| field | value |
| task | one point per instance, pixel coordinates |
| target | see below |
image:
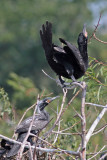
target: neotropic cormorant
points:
(4, 148)
(40, 122)
(68, 61)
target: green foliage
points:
(25, 92)
(21, 52)
(4, 103)
(96, 78)
(20, 44)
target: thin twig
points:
(59, 115)
(83, 123)
(24, 116)
(99, 130)
(99, 39)
(30, 150)
(66, 133)
(69, 85)
(97, 105)
(93, 126)
(56, 137)
(48, 76)
(27, 135)
(97, 152)
(95, 28)
(77, 114)
(70, 127)
(102, 152)
(102, 158)
(50, 144)
(71, 101)
(48, 150)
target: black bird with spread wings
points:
(68, 61)
(41, 119)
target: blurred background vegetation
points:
(22, 58)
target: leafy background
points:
(22, 60)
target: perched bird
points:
(5, 147)
(40, 121)
(105, 157)
(68, 61)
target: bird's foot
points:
(65, 85)
(60, 83)
(73, 82)
(77, 83)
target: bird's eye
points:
(48, 101)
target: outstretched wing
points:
(46, 37)
(73, 54)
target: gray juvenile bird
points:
(40, 121)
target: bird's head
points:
(43, 103)
(83, 36)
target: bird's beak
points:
(84, 31)
(53, 98)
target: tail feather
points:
(62, 40)
(15, 148)
(13, 151)
(46, 37)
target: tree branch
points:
(95, 28)
(97, 105)
(95, 123)
(97, 152)
(48, 150)
(83, 122)
(28, 133)
(59, 115)
(99, 39)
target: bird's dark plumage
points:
(40, 122)
(5, 147)
(68, 61)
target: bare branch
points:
(97, 105)
(25, 139)
(24, 115)
(59, 115)
(50, 144)
(89, 134)
(102, 152)
(40, 148)
(93, 34)
(95, 28)
(69, 85)
(99, 39)
(70, 127)
(97, 152)
(99, 130)
(78, 114)
(102, 158)
(31, 155)
(71, 101)
(83, 122)
(66, 133)
(56, 137)
(48, 76)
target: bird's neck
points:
(44, 114)
(83, 51)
